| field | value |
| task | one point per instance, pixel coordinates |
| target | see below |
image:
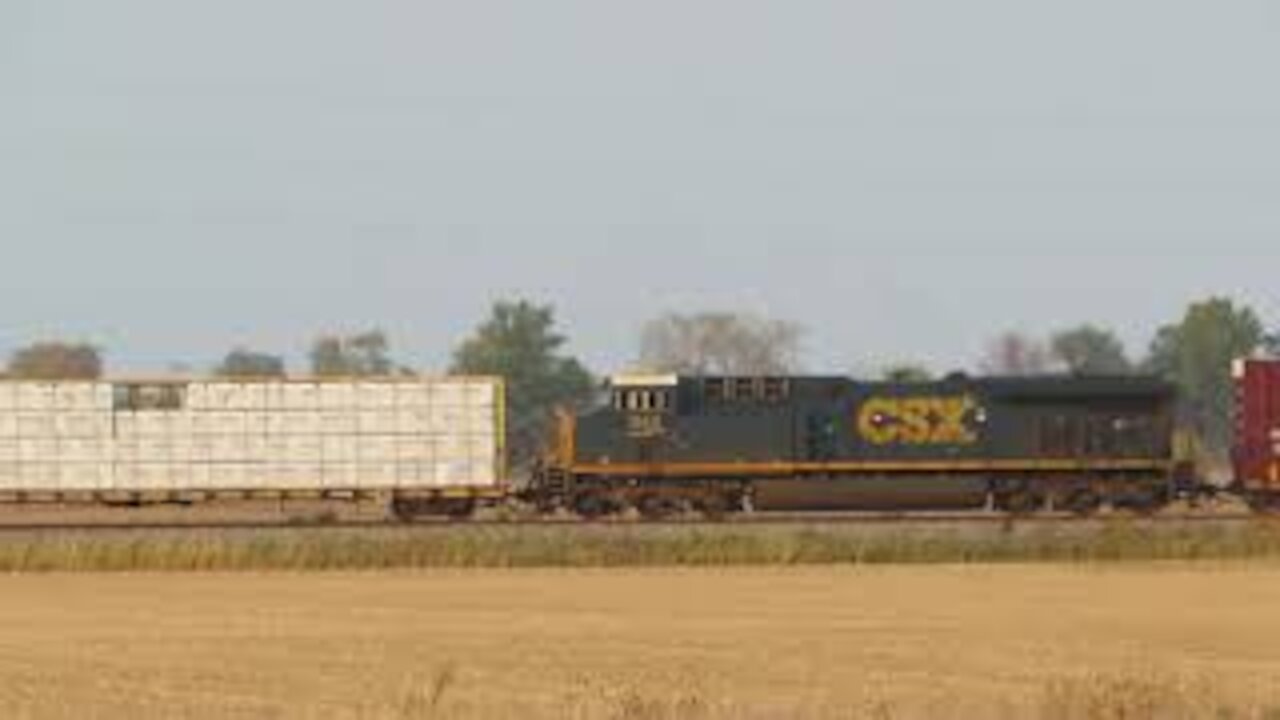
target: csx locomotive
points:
(665, 444)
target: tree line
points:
(519, 341)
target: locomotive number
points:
(645, 426)
(917, 421)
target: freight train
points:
(661, 445)
(665, 444)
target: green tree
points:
(56, 361)
(362, 354)
(1090, 350)
(1197, 354)
(245, 363)
(906, 373)
(520, 344)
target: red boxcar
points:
(1257, 432)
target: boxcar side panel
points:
(1257, 431)
(130, 436)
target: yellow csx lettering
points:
(917, 421)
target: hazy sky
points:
(904, 177)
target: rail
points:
(755, 520)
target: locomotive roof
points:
(1074, 385)
(1041, 386)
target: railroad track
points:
(757, 520)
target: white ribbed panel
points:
(400, 433)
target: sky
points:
(905, 178)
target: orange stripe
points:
(765, 469)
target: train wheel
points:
(404, 510)
(714, 507)
(591, 506)
(1082, 502)
(411, 509)
(1264, 503)
(656, 507)
(1144, 501)
(460, 510)
(1021, 501)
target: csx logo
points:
(917, 421)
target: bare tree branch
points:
(720, 344)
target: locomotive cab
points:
(645, 395)
(644, 409)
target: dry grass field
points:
(1008, 641)
(442, 546)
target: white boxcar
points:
(404, 434)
